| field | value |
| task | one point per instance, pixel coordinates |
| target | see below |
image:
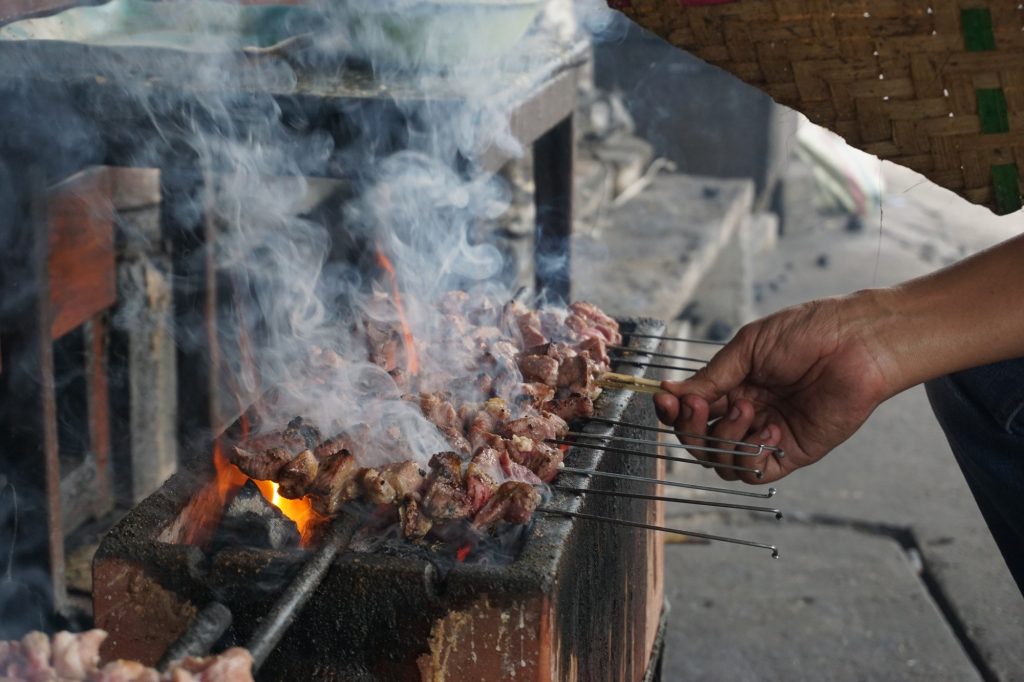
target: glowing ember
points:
(412, 360)
(463, 553)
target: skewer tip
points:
(771, 492)
(775, 552)
(758, 474)
(778, 515)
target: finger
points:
(733, 426)
(666, 406)
(724, 372)
(692, 424)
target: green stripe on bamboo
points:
(1006, 183)
(976, 25)
(992, 111)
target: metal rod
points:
(656, 354)
(654, 455)
(674, 484)
(657, 429)
(673, 338)
(277, 621)
(675, 446)
(665, 498)
(653, 365)
(209, 625)
(662, 529)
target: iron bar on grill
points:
(653, 455)
(215, 618)
(280, 617)
(206, 628)
(666, 498)
(662, 529)
(657, 429)
(674, 484)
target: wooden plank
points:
(80, 263)
(97, 394)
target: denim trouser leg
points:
(982, 412)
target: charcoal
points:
(251, 521)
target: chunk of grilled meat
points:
(262, 465)
(335, 483)
(415, 524)
(482, 477)
(445, 498)
(513, 502)
(297, 475)
(301, 435)
(543, 426)
(446, 466)
(578, 374)
(572, 407)
(539, 368)
(594, 322)
(376, 488)
(542, 459)
(532, 395)
(597, 349)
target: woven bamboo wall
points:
(935, 86)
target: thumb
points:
(724, 372)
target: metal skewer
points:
(656, 354)
(673, 338)
(653, 365)
(662, 529)
(653, 455)
(657, 429)
(677, 446)
(674, 484)
(665, 498)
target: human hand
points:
(803, 379)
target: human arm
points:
(807, 377)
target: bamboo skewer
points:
(629, 382)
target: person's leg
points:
(982, 412)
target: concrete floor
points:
(887, 571)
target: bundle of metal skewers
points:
(637, 357)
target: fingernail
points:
(765, 435)
(687, 412)
(734, 414)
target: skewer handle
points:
(629, 382)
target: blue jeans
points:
(982, 412)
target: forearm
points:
(969, 314)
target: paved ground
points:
(887, 571)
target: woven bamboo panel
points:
(935, 86)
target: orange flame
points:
(412, 361)
(299, 511)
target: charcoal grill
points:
(582, 600)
